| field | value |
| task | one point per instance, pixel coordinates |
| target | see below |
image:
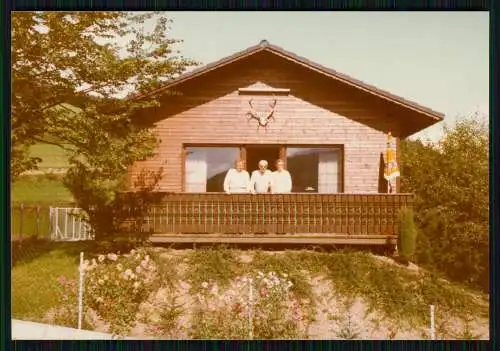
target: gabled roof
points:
(264, 45)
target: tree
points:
(70, 72)
(68, 57)
(451, 184)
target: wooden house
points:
(267, 103)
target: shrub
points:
(407, 235)
(271, 312)
(66, 312)
(116, 285)
(451, 184)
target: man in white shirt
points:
(261, 179)
(237, 180)
(282, 180)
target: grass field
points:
(37, 193)
(53, 157)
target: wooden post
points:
(21, 210)
(38, 221)
(398, 151)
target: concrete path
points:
(23, 330)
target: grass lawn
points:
(34, 281)
(40, 190)
(52, 156)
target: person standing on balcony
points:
(261, 179)
(237, 179)
(282, 180)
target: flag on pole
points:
(391, 166)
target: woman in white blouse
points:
(237, 179)
(282, 180)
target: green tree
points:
(63, 58)
(71, 72)
(450, 181)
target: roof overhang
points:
(427, 115)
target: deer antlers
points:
(262, 117)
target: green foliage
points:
(259, 306)
(68, 68)
(116, 285)
(451, 184)
(407, 235)
(396, 295)
(220, 264)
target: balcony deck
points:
(275, 218)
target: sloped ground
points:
(352, 295)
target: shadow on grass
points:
(379, 249)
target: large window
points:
(206, 167)
(315, 170)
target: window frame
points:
(283, 151)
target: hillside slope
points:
(337, 295)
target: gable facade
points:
(205, 127)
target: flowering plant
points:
(116, 285)
(260, 306)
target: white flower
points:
(99, 299)
(215, 290)
(112, 257)
(132, 252)
(204, 285)
(137, 257)
(138, 269)
(136, 285)
(119, 266)
(101, 258)
(147, 258)
(144, 263)
(100, 281)
(128, 272)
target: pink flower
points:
(138, 269)
(112, 257)
(61, 280)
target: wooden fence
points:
(29, 220)
(356, 214)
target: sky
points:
(437, 59)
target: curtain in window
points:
(196, 171)
(328, 172)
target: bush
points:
(407, 237)
(451, 183)
(115, 286)
(273, 313)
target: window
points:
(316, 170)
(206, 167)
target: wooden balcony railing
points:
(348, 214)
